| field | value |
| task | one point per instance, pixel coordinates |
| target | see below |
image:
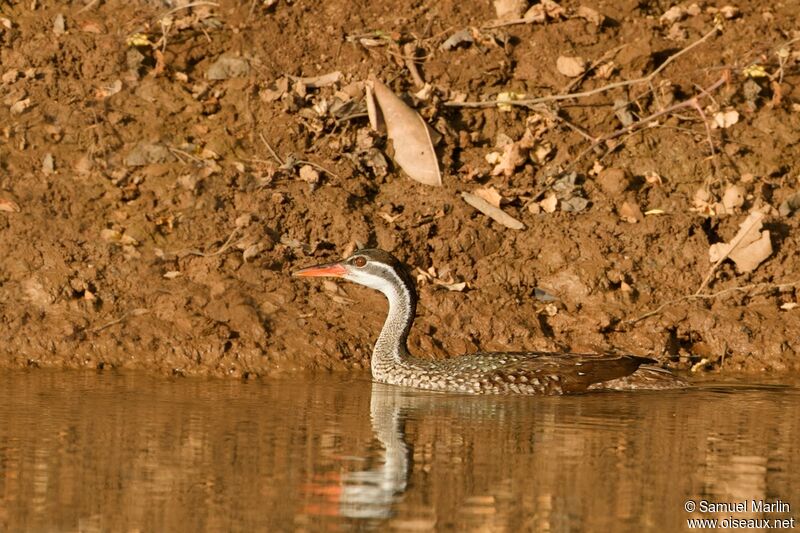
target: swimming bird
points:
(479, 373)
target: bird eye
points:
(360, 261)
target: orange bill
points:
(335, 270)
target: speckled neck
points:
(391, 347)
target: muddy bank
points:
(146, 223)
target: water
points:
(129, 452)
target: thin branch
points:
(271, 151)
(227, 244)
(592, 92)
(690, 297)
(410, 50)
(88, 6)
(646, 120)
(125, 316)
(697, 107)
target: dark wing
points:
(646, 377)
(565, 373)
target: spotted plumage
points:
(480, 373)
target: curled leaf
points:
(411, 137)
(748, 248)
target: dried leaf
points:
(48, 163)
(252, 251)
(496, 214)
(622, 111)
(605, 70)
(652, 177)
(276, 90)
(389, 218)
(373, 111)
(591, 15)
(227, 67)
(788, 306)
(575, 204)
(172, 274)
(630, 212)
(789, 205)
(549, 203)
(411, 137)
(732, 198)
(512, 157)
(546, 9)
(572, 67)
(725, 119)
(59, 25)
(491, 195)
(748, 248)
(673, 14)
(703, 202)
(106, 91)
(19, 106)
(8, 206)
(309, 174)
(515, 153)
(110, 235)
(458, 38)
(455, 287)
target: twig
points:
(134, 312)
(699, 109)
(225, 246)
(271, 151)
(696, 296)
(577, 129)
(410, 50)
(592, 92)
(88, 6)
(646, 120)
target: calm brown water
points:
(105, 452)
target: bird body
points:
(480, 373)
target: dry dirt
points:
(144, 222)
